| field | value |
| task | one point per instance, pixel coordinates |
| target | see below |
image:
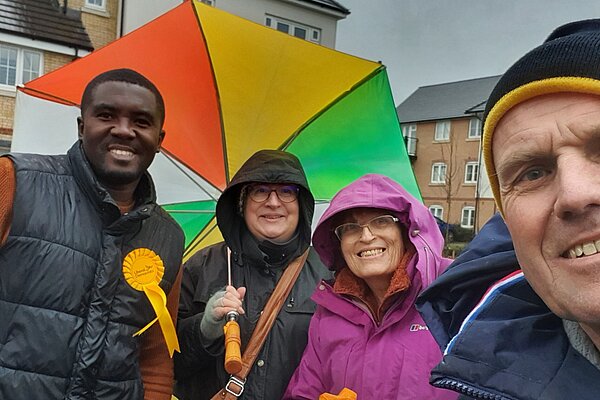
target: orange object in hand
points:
(345, 394)
(233, 355)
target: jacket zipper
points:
(467, 390)
(429, 255)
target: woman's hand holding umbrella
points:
(232, 301)
(220, 316)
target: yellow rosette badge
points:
(143, 269)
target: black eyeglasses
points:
(353, 231)
(285, 193)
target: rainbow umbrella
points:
(232, 87)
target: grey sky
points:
(425, 42)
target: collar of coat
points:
(348, 284)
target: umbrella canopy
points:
(232, 87)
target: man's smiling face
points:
(121, 132)
(547, 156)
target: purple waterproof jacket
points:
(346, 348)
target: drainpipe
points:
(120, 18)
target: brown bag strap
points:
(235, 385)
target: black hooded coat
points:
(257, 265)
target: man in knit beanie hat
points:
(524, 323)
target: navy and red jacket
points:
(500, 341)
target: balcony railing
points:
(411, 146)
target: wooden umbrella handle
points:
(233, 355)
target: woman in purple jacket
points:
(366, 334)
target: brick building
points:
(442, 129)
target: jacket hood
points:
(269, 166)
(488, 258)
(378, 191)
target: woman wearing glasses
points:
(366, 335)
(265, 217)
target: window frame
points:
(477, 134)
(446, 132)
(436, 209)
(19, 65)
(470, 210)
(433, 174)
(89, 4)
(474, 165)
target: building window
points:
(474, 129)
(468, 217)
(208, 2)
(98, 4)
(410, 138)
(437, 211)
(294, 28)
(18, 66)
(471, 172)
(438, 173)
(32, 65)
(442, 131)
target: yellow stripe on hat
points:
(519, 95)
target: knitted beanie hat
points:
(568, 61)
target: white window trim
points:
(40, 45)
(310, 30)
(475, 165)
(433, 168)
(471, 211)
(10, 89)
(434, 208)
(478, 130)
(435, 133)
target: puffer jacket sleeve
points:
(306, 382)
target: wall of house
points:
(53, 61)
(256, 10)
(139, 12)
(455, 153)
(487, 208)
(7, 110)
(101, 25)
